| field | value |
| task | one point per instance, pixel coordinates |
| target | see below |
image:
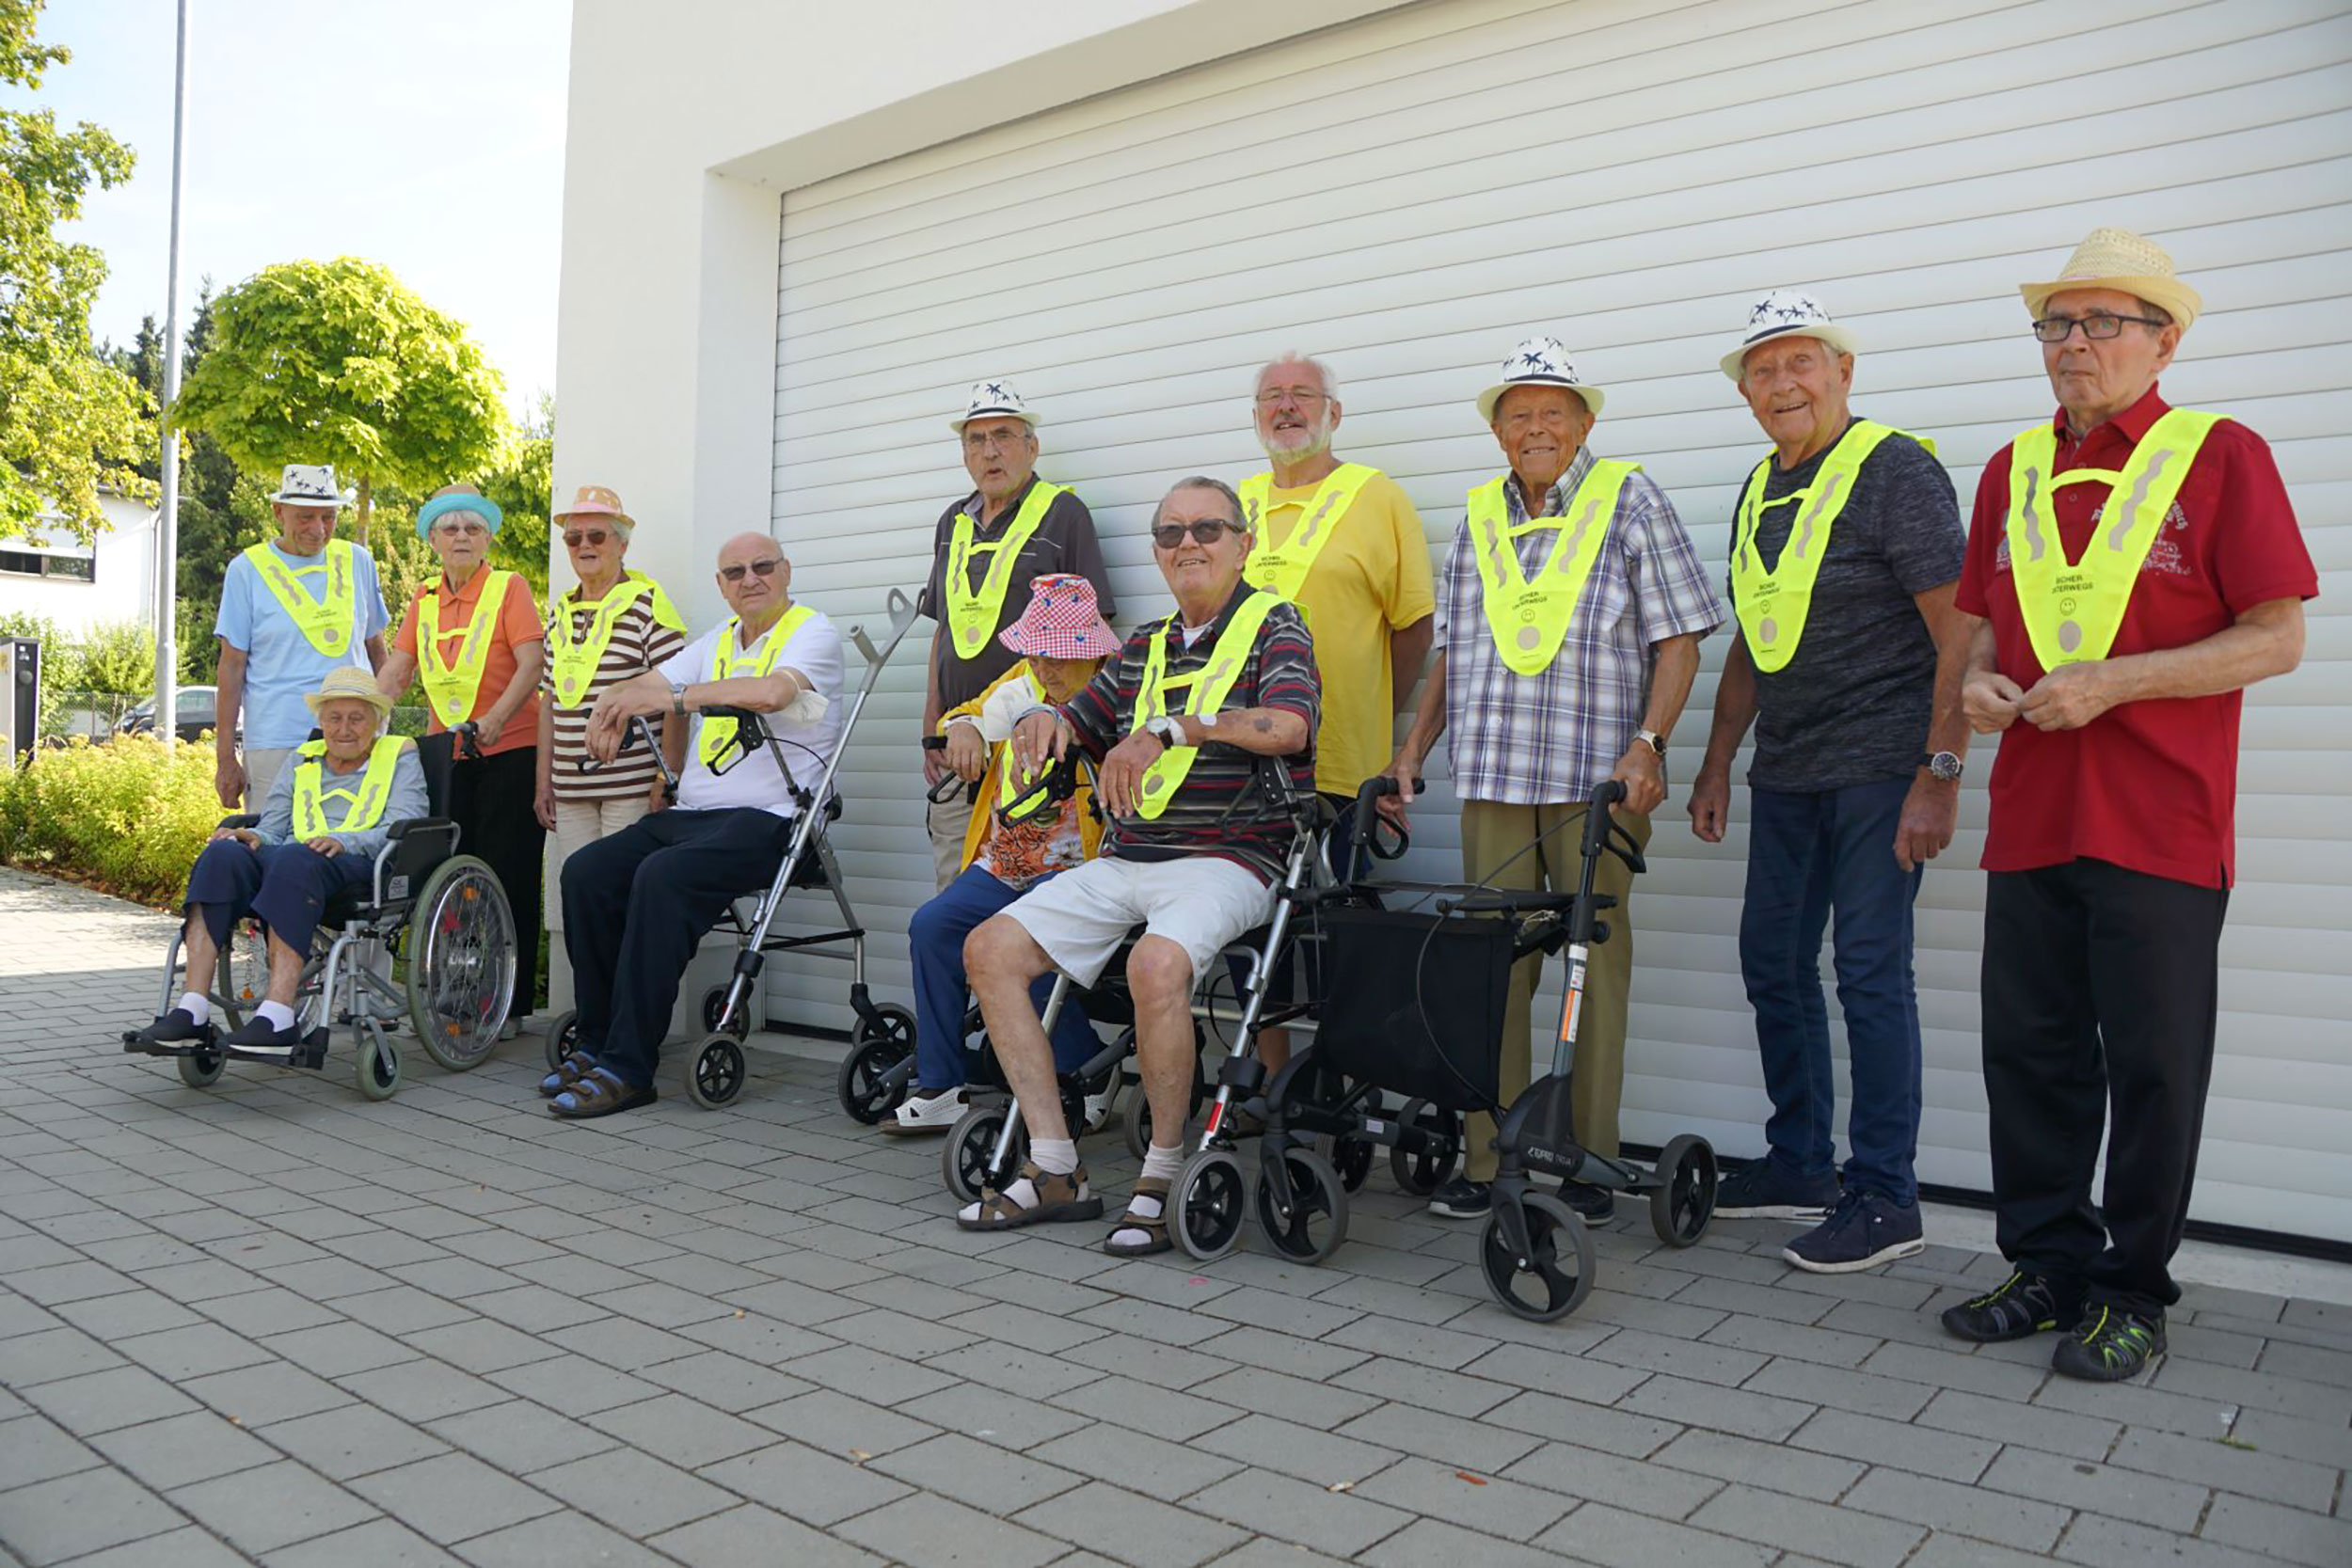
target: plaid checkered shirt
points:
(1539, 739)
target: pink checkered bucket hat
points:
(1061, 621)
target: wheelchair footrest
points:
(133, 1045)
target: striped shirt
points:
(1280, 673)
(639, 643)
(1548, 738)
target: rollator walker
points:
(717, 1072)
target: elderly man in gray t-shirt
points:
(1846, 547)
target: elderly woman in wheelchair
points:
(318, 835)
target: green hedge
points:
(130, 816)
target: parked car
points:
(196, 715)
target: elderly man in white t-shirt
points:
(636, 904)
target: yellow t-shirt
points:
(1374, 577)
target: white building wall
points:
(124, 588)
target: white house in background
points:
(80, 586)
(794, 234)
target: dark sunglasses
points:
(1168, 535)
(765, 568)
(586, 536)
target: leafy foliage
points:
(130, 815)
(68, 420)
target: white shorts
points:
(1201, 903)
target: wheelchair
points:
(441, 917)
(716, 1075)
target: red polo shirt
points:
(2149, 786)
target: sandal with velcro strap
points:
(599, 1092)
(568, 1071)
(1058, 1198)
(1156, 1229)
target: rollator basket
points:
(1413, 1002)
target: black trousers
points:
(635, 906)
(2100, 989)
(489, 800)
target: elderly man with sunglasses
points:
(987, 550)
(636, 904)
(2136, 566)
(1177, 725)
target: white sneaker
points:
(934, 1115)
(1098, 1108)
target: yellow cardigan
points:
(984, 810)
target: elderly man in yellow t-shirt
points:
(1342, 542)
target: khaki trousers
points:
(578, 823)
(1492, 834)
(262, 763)
(947, 822)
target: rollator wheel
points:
(563, 1037)
(375, 1067)
(1349, 1154)
(200, 1069)
(964, 1164)
(716, 1075)
(1684, 1200)
(1206, 1205)
(1317, 1221)
(1421, 1169)
(1138, 1106)
(864, 1084)
(1559, 1271)
(715, 1019)
(460, 942)
(890, 1022)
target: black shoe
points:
(1762, 1190)
(173, 1027)
(2023, 1304)
(1598, 1205)
(1866, 1230)
(1461, 1199)
(2109, 1344)
(256, 1035)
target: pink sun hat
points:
(1061, 621)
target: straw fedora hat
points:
(994, 400)
(1786, 313)
(596, 500)
(353, 682)
(1540, 362)
(2119, 258)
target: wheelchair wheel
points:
(375, 1066)
(1317, 1221)
(1207, 1203)
(1421, 1170)
(1138, 1106)
(243, 975)
(716, 1076)
(200, 1069)
(1684, 1200)
(460, 942)
(562, 1035)
(714, 1015)
(1558, 1272)
(971, 1143)
(867, 1089)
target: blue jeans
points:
(1807, 855)
(935, 940)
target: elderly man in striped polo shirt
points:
(1226, 680)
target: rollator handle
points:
(1602, 831)
(468, 740)
(640, 728)
(1373, 832)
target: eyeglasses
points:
(765, 568)
(586, 536)
(1004, 440)
(2098, 327)
(455, 529)
(1168, 535)
(1274, 397)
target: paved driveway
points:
(272, 1322)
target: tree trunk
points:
(364, 506)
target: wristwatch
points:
(1166, 729)
(677, 698)
(1653, 739)
(1946, 765)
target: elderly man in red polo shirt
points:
(2137, 567)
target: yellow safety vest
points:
(363, 803)
(1208, 686)
(1282, 569)
(2073, 610)
(719, 733)
(327, 622)
(1007, 791)
(451, 687)
(972, 614)
(1529, 619)
(572, 665)
(1773, 602)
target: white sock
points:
(1054, 1156)
(1162, 1164)
(1159, 1165)
(195, 1004)
(276, 1014)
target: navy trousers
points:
(935, 940)
(1810, 854)
(635, 906)
(286, 885)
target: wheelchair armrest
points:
(411, 848)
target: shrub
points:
(130, 816)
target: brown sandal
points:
(568, 1071)
(1058, 1198)
(1156, 1230)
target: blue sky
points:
(426, 135)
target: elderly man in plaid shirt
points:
(1569, 613)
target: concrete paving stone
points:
(1589, 1377)
(2254, 1304)
(268, 1311)
(51, 1354)
(181, 1450)
(1309, 1454)
(1043, 1332)
(39, 1449)
(2227, 1468)
(869, 1374)
(815, 1488)
(189, 1546)
(377, 1543)
(1023, 1373)
(981, 1474)
(1423, 1388)
(1147, 1360)
(2302, 1398)
(1294, 1399)
(1617, 1538)
(755, 1537)
(339, 1349)
(74, 1281)
(636, 1493)
(1423, 1542)
(330, 1279)
(1590, 1426)
(2170, 1503)
(1873, 1287)
(723, 1382)
(2134, 1404)
(481, 1346)
(567, 1538)
(898, 1334)
(1173, 1280)
(1449, 1439)
(270, 1506)
(1804, 1342)
(352, 1440)
(1608, 1308)
(401, 1309)
(2291, 1533)
(532, 1308)
(1136, 1530)
(792, 1301)
(71, 1515)
(1795, 1524)
(836, 1423)
(2189, 1342)
(1001, 1419)
(423, 1390)
(1435, 1347)
(1887, 1323)
(1164, 1470)
(1774, 1466)
(574, 1384)
(449, 1275)
(1753, 1300)
(1143, 1407)
(569, 1274)
(2029, 1426)
(520, 1437)
(452, 1496)
(1695, 1359)
(1470, 1499)
(2304, 1362)
(1970, 1511)
(1865, 1393)
(273, 1391)
(752, 1336)
(1954, 1369)
(927, 1529)
(1949, 1456)
(1151, 1320)
(2105, 1543)
(1959, 1551)
(681, 1430)
(1618, 1479)
(1719, 1409)
(19, 1315)
(102, 1401)
(624, 1343)
(1289, 1315)
(1313, 1516)
(1405, 1303)
(2270, 1433)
